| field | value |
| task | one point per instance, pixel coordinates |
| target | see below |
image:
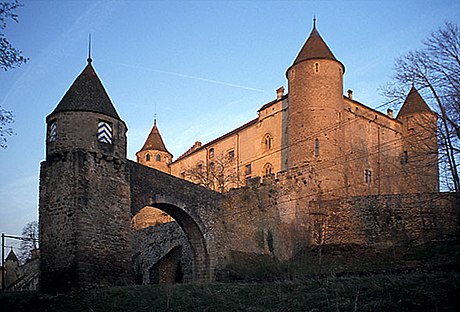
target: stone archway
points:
(192, 228)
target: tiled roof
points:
(414, 103)
(240, 128)
(87, 94)
(154, 141)
(314, 48)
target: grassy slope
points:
(424, 278)
(438, 291)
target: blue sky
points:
(207, 66)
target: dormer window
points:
(52, 131)
(104, 132)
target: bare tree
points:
(435, 71)
(10, 58)
(30, 233)
(6, 118)
(219, 174)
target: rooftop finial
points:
(314, 21)
(155, 115)
(89, 49)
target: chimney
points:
(350, 94)
(279, 93)
(390, 113)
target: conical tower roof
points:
(314, 48)
(413, 104)
(87, 94)
(12, 256)
(154, 141)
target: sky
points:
(204, 67)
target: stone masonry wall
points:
(85, 222)
(151, 244)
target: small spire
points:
(314, 21)
(155, 116)
(89, 49)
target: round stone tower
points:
(86, 119)
(84, 209)
(315, 82)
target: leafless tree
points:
(6, 118)
(30, 233)
(434, 70)
(10, 58)
(218, 174)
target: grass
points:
(351, 278)
(439, 291)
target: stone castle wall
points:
(85, 234)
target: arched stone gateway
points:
(190, 205)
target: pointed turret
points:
(12, 256)
(87, 94)
(315, 100)
(154, 153)
(315, 48)
(85, 118)
(419, 145)
(154, 140)
(413, 104)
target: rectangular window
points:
(404, 158)
(248, 169)
(231, 155)
(316, 147)
(104, 132)
(367, 176)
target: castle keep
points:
(351, 148)
(315, 167)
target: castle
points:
(315, 167)
(353, 149)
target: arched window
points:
(211, 152)
(158, 157)
(268, 169)
(267, 142)
(316, 147)
(316, 67)
(147, 157)
(200, 169)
